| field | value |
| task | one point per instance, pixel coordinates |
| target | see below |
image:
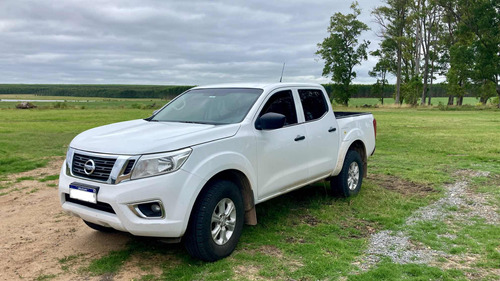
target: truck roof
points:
(264, 86)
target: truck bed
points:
(346, 114)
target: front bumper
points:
(176, 191)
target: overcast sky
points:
(169, 42)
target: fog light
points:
(156, 208)
(151, 210)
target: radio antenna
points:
(283, 69)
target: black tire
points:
(341, 184)
(99, 227)
(198, 239)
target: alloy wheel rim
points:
(353, 176)
(223, 221)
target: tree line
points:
(106, 91)
(169, 92)
(420, 40)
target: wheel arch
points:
(357, 145)
(360, 148)
(241, 180)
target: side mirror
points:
(270, 121)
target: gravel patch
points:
(459, 204)
(398, 247)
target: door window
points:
(282, 103)
(313, 104)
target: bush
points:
(138, 106)
(494, 101)
(60, 105)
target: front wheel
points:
(216, 222)
(348, 182)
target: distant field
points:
(84, 102)
(100, 102)
(39, 97)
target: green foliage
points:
(341, 51)
(486, 91)
(61, 105)
(384, 65)
(495, 100)
(410, 92)
(393, 19)
(461, 59)
(458, 38)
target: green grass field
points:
(307, 234)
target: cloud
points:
(167, 42)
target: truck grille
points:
(103, 167)
(129, 167)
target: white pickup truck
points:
(196, 169)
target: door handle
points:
(332, 129)
(299, 138)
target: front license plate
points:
(83, 193)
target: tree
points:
(481, 18)
(431, 13)
(341, 51)
(473, 41)
(392, 19)
(380, 70)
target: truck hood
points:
(143, 137)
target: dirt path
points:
(36, 234)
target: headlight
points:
(161, 163)
(69, 159)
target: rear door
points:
(282, 153)
(322, 132)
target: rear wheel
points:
(99, 227)
(216, 222)
(348, 182)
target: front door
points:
(281, 153)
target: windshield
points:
(209, 106)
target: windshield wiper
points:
(192, 122)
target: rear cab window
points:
(313, 104)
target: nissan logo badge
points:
(89, 167)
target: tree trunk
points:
(483, 100)
(346, 100)
(417, 48)
(460, 100)
(424, 90)
(426, 77)
(398, 77)
(498, 89)
(450, 100)
(498, 93)
(432, 77)
(382, 97)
